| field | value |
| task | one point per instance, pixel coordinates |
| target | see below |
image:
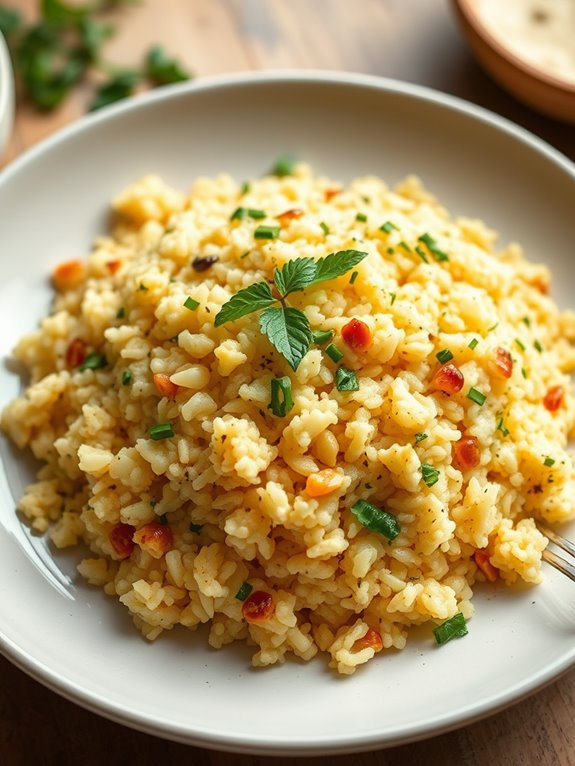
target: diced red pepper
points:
(357, 335)
(371, 640)
(121, 539)
(259, 606)
(154, 538)
(502, 364)
(75, 353)
(465, 453)
(448, 379)
(553, 399)
(113, 266)
(288, 215)
(481, 557)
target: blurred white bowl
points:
(6, 95)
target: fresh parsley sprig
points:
(287, 328)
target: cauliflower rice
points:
(220, 500)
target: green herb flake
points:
(526, 321)
(120, 86)
(244, 591)
(142, 288)
(476, 396)
(240, 213)
(346, 380)
(161, 431)
(548, 462)
(267, 232)
(245, 187)
(321, 337)
(421, 253)
(93, 362)
(284, 165)
(191, 304)
(127, 377)
(501, 427)
(538, 347)
(433, 247)
(324, 227)
(524, 373)
(353, 277)
(444, 356)
(376, 519)
(420, 437)
(121, 313)
(473, 344)
(493, 327)
(405, 246)
(429, 474)
(281, 399)
(163, 70)
(163, 519)
(245, 255)
(519, 344)
(388, 227)
(455, 627)
(361, 217)
(195, 528)
(390, 251)
(393, 296)
(334, 353)
(289, 332)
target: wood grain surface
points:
(412, 40)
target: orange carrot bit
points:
(288, 215)
(331, 193)
(113, 266)
(371, 640)
(481, 557)
(323, 482)
(68, 275)
(165, 385)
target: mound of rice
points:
(222, 503)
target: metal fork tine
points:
(562, 542)
(559, 563)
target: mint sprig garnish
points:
(288, 328)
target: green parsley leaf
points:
(284, 165)
(163, 70)
(127, 377)
(429, 474)
(295, 275)
(433, 247)
(388, 227)
(548, 462)
(376, 519)
(324, 227)
(118, 87)
(455, 627)
(361, 217)
(336, 264)
(93, 362)
(245, 301)
(289, 331)
(346, 380)
(420, 437)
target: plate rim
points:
(263, 745)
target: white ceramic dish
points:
(6, 95)
(54, 200)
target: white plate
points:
(69, 636)
(6, 94)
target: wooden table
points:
(413, 40)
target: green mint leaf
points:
(336, 264)
(162, 69)
(346, 380)
(246, 301)
(288, 331)
(295, 275)
(119, 87)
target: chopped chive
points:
(376, 519)
(325, 227)
(346, 380)
(429, 474)
(253, 213)
(548, 462)
(191, 303)
(126, 377)
(444, 356)
(284, 165)
(353, 277)
(490, 329)
(321, 337)
(161, 431)
(526, 321)
(537, 346)
(473, 344)
(388, 227)
(142, 287)
(433, 247)
(241, 212)
(163, 519)
(361, 217)
(245, 255)
(393, 296)
(476, 396)
(121, 313)
(455, 627)
(244, 591)
(420, 437)
(196, 528)
(246, 186)
(93, 362)
(267, 232)
(334, 353)
(519, 344)
(281, 398)
(405, 246)
(501, 427)
(421, 254)
(524, 372)
(390, 251)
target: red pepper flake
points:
(553, 399)
(448, 379)
(481, 557)
(465, 453)
(502, 364)
(371, 640)
(113, 266)
(164, 385)
(288, 215)
(75, 353)
(121, 539)
(154, 538)
(259, 606)
(357, 335)
(331, 193)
